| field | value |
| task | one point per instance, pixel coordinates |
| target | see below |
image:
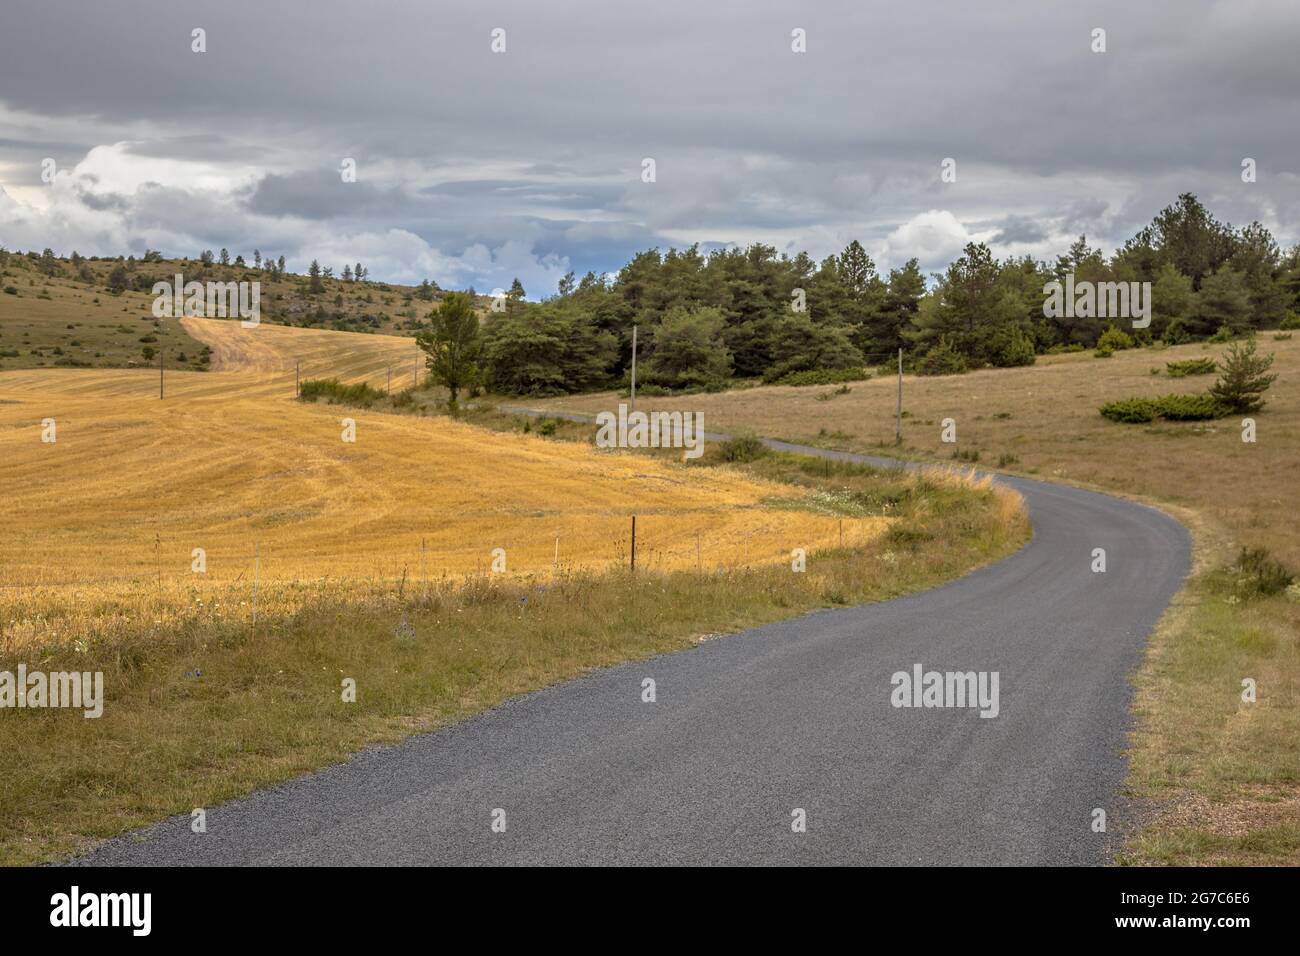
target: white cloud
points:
(934, 238)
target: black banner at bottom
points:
(335, 905)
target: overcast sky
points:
(474, 167)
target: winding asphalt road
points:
(793, 715)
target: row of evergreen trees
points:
(706, 319)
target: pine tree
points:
(1244, 379)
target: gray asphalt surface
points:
(793, 715)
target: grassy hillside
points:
(1222, 775)
(64, 315)
(369, 561)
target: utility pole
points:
(257, 568)
(898, 426)
(160, 371)
(390, 380)
(634, 542)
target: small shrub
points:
(10, 290)
(1190, 408)
(1244, 380)
(1177, 332)
(1292, 321)
(1114, 340)
(942, 359)
(1224, 334)
(1130, 411)
(1282, 337)
(1256, 574)
(742, 448)
(1196, 366)
(1011, 348)
(1176, 408)
(336, 393)
(1103, 353)
(823, 376)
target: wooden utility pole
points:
(634, 376)
(257, 567)
(898, 415)
(634, 542)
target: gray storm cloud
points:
(474, 167)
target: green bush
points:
(1190, 408)
(1224, 334)
(743, 448)
(1103, 353)
(1196, 366)
(1010, 348)
(1060, 349)
(1175, 408)
(824, 376)
(1114, 340)
(942, 359)
(336, 393)
(1292, 320)
(1130, 410)
(1177, 332)
(1255, 574)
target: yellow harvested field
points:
(231, 463)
